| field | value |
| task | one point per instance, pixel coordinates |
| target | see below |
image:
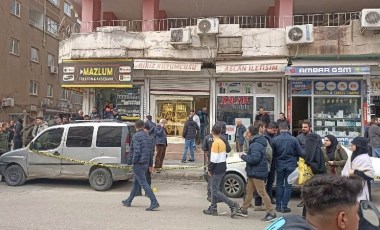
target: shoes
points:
(242, 212)
(259, 208)
(182, 161)
(210, 212)
(126, 203)
(301, 204)
(285, 210)
(191, 160)
(272, 200)
(234, 209)
(269, 218)
(153, 207)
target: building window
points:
(33, 88)
(77, 99)
(36, 18)
(64, 94)
(51, 26)
(55, 2)
(67, 9)
(49, 90)
(14, 46)
(15, 8)
(34, 54)
(51, 60)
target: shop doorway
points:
(301, 110)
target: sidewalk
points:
(178, 171)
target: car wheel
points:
(101, 179)
(14, 175)
(233, 186)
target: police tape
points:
(119, 166)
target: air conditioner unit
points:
(6, 102)
(301, 34)
(53, 69)
(180, 36)
(208, 26)
(370, 19)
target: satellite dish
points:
(372, 17)
(295, 34)
(204, 26)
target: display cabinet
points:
(176, 113)
(338, 116)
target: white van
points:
(95, 142)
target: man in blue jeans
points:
(141, 156)
(286, 150)
(189, 133)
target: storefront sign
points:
(146, 64)
(337, 88)
(249, 68)
(301, 87)
(326, 70)
(97, 73)
(231, 107)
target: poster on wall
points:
(231, 107)
(265, 88)
(337, 88)
(301, 87)
(235, 88)
(374, 89)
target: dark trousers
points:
(17, 143)
(140, 179)
(216, 194)
(160, 156)
(209, 187)
(268, 186)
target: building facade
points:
(311, 61)
(31, 31)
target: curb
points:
(187, 174)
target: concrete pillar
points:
(151, 10)
(91, 13)
(284, 13)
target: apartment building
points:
(316, 60)
(31, 31)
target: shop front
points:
(173, 89)
(333, 98)
(244, 87)
(107, 85)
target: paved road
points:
(57, 204)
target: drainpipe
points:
(44, 25)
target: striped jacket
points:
(218, 157)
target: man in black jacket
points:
(141, 150)
(17, 139)
(189, 133)
(262, 116)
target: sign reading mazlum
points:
(97, 73)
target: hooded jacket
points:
(257, 166)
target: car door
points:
(50, 141)
(78, 147)
(109, 143)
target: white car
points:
(236, 177)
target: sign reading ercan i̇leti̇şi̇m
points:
(97, 73)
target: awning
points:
(251, 66)
(147, 64)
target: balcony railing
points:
(326, 19)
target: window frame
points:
(104, 131)
(45, 133)
(76, 139)
(65, 5)
(50, 89)
(50, 58)
(64, 95)
(33, 88)
(13, 46)
(48, 26)
(54, 2)
(16, 6)
(34, 51)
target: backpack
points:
(269, 154)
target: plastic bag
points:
(293, 177)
